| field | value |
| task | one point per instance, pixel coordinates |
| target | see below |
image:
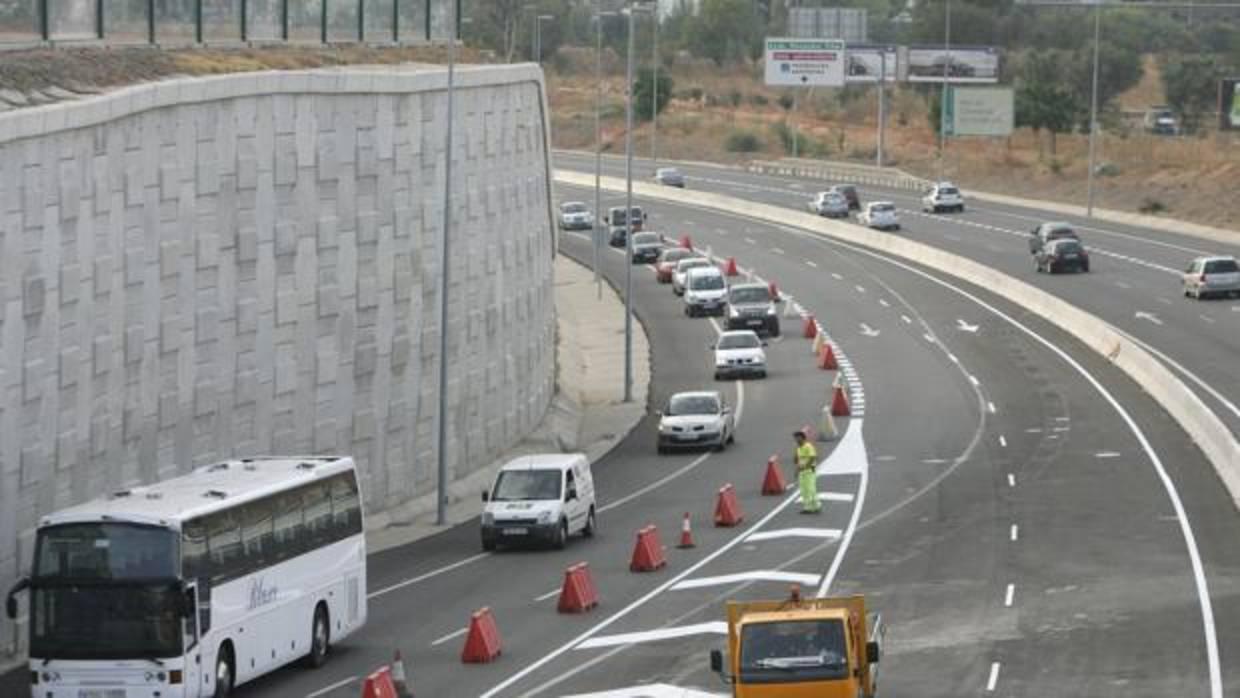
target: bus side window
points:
(195, 566)
(289, 536)
(224, 546)
(317, 505)
(346, 506)
(256, 534)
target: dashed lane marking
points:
(994, 678)
(449, 636)
(1007, 598)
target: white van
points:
(544, 497)
(705, 291)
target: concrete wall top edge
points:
(371, 79)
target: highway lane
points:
(1133, 284)
(1094, 568)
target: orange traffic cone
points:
(686, 534)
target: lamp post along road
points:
(1093, 114)
(538, 36)
(628, 215)
(444, 261)
(947, 61)
(654, 94)
(598, 145)
(882, 107)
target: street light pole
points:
(882, 107)
(538, 36)
(628, 215)
(947, 62)
(444, 263)
(654, 94)
(1093, 114)
(598, 143)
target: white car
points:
(943, 196)
(879, 214)
(696, 419)
(544, 497)
(682, 272)
(739, 353)
(705, 292)
(831, 204)
(1212, 276)
(669, 177)
(575, 215)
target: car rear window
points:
(1222, 266)
(1067, 246)
(948, 191)
(645, 238)
(883, 208)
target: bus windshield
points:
(105, 551)
(105, 621)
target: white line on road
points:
(1015, 532)
(828, 533)
(810, 262)
(994, 678)
(544, 597)
(835, 496)
(1011, 591)
(1107, 454)
(449, 636)
(1011, 480)
(716, 627)
(836, 276)
(974, 381)
(906, 319)
(428, 575)
(1003, 440)
(884, 303)
(860, 289)
(752, 576)
(328, 689)
(991, 407)
(750, 241)
(777, 250)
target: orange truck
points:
(801, 648)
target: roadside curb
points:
(1209, 432)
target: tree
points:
(1191, 85)
(725, 30)
(644, 90)
(1042, 101)
(1119, 68)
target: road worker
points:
(806, 460)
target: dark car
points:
(1046, 232)
(616, 224)
(646, 247)
(849, 192)
(751, 307)
(1064, 254)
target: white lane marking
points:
(1214, 393)
(1165, 301)
(974, 381)
(828, 533)
(544, 597)
(1063, 419)
(1003, 440)
(1207, 318)
(906, 319)
(1007, 598)
(851, 451)
(928, 337)
(1123, 285)
(1107, 454)
(836, 276)
(955, 359)
(751, 576)
(777, 250)
(1011, 480)
(811, 263)
(885, 459)
(1062, 429)
(869, 331)
(750, 241)
(1015, 532)
(966, 327)
(835, 496)
(426, 576)
(449, 636)
(649, 690)
(715, 627)
(1034, 430)
(860, 289)
(994, 677)
(884, 303)
(1143, 315)
(990, 406)
(934, 461)
(328, 689)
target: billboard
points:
(848, 24)
(867, 63)
(793, 62)
(979, 111)
(1229, 104)
(962, 64)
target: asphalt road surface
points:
(1026, 519)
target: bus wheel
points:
(223, 672)
(320, 638)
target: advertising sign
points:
(817, 62)
(866, 63)
(979, 111)
(1229, 104)
(848, 24)
(962, 64)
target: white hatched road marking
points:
(711, 628)
(827, 533)
(751, 576)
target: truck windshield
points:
(793, 652)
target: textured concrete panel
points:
(242, 265)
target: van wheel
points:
(488, 545)
(320, 638)
(223, 672)
(561, 536)
(591, 525)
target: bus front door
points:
(192, 676)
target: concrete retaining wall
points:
(249, 264)
(1202, 424)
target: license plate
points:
(685, 437)
(101, 693)
(516, 531)
(755, 323)
(1069, 256)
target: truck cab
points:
(824, 648)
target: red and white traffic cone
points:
(399, 681)
(686, 534)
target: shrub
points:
(759, 100)
(742, 142)
(786, 101)
(1151, 206)
(734, 98)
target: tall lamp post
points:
(598, 142)
(654, 95)
(444, 260)
(631, 10)
(947, 62)
(538, 36)
(1093, 113)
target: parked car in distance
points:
(670, 177)
(1063, 254)
(705, 291)
(943, 196)
(646, 247)
(544, 497)
(1046, 232)
(880, 215)
(574, 215)
(849, 192)
(1212, 276)
(696, 419)
(615, 220)
(751, 307)
(681, 272)
(668, 258)
(831, 204)
(739, 353)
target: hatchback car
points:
(1212, 276)
(670, 177)
(1046, 232)
(575, 215)
(880, 215)
(705, 291)
(681, 273)
(739, 353)
(831, 204)
(696, 419)
(646, 247)
(617, 227)
(668, 259)
(849, 192)
(1062, 255)
(943, 196)
(751, 307)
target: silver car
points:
(1212, 276)
(831, 204)
(669, 177)
(575, 215)
(694, 420)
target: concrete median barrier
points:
(1209, 432)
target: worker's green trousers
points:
(808, 480)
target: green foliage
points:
(644, 93)
(742, 141)
(934, 110)
(734, 97)
(786, 101)
(1191, 84)
(758, 99)
(1151, 206)
(1042, 101)
(725, 31)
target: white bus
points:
(269, 552)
